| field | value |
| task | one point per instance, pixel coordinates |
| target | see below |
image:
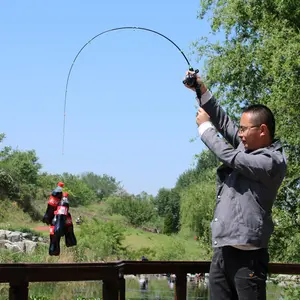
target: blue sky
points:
(128, 113)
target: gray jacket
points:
(247, 184)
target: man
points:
(253, 168)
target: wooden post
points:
(18, 291)
(180, 287)
(110, 289)
(122, 288)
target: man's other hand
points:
(201, 116)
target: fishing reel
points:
(191, 79)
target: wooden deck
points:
(19, 275)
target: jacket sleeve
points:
(220, 119)
(258, 166)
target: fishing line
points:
(88, 42)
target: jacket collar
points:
(275, 146)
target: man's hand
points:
(199, 81)
(201, 116)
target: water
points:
(158, 289)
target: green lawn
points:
(192, 250)
(161, 246)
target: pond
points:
(158, 289)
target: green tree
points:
(168, 223)
(101, 240)
(2, 137)
(161, 201)
(187, 178)
(8, 187)
(23, 166)
(144, 197)
(167, 204)
(196, 211)
(207, 160)
(256, 60)
(80, 192)
(48, 181)
(137, 211)
(103, 186)
(18, 178)
(116, 205)
(285, 241)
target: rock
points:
(27, 235)
(20, 242)
(21, 245)
(14, 236)
(29, 246)
(2, 243)
(12, 247)
(34, 238)
(3, 234)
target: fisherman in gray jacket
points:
(252, 170)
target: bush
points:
(196, 211)
(102, 240)
(150, 253)
(168, 224)
(175, 250)
(137, 212)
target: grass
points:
(13, 218)
(138, 239)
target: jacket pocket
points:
(252, 214)
(217, 228)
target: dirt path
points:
(41, 228)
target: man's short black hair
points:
(262, 115)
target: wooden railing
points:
(112, 274)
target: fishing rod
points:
(190, 80)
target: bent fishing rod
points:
(190, 79)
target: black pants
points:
(238, 274)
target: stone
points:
(12, 247)
(27, 235)
(14, 236)
(3, 234)
(21, 245)
(20, 242)
(30, 246)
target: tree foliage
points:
(23, 166)
(104, 239)
(167, 204)
(253, 56)
(79, 191)
(258, 61)
(19, 171)
(285, 241)
(168, 224)
(8, 187)
(102, 185)
(196, 211)
(137, 211)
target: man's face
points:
(250, 132)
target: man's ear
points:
(264, 130)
